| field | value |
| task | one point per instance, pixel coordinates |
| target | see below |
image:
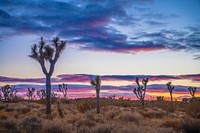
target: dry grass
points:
(79, 116)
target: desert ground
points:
(116, 116)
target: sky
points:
(116, 39)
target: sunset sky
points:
(116, 39)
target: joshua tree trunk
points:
(142, 102)
(97, 101)
(171, 98)
(172, 108)
(48, 94)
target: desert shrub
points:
(31, 124)
(122, 103)
(25, 110)
(83, 129)
(72, 119)
(3, 106)
(130, 117)
(153, 113)
(193, 109)
(103, 128)
(94, 117)
(112, 113)
(174, 123)
(85, 104)
(56, 126)
(191, 125)
(86, 122)
(10, 124)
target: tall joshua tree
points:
(170, 88)
(48, 53)
(192, 91)
(97, 84)
(140, 90)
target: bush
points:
(193, 109)
(104, 128)
(130, 117)
(56, 126)
(31, 124)
(10, 124)
(153, 113)
(191, 125)
(85, 104)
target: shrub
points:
(85, 104)
(31, 124)
(130, 117)
(174, 123)
(56, 126)
(191, 125)
(153, 113)
(10, 124)
(103, 128)
(25, 110)
(193, 109)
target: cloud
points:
(80, 91)
(86, 78)
(88, 24)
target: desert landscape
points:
(99, 66)
(116, 116)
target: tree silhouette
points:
(140, 90)
(170, 88)
(97, 84)
(192, 91)
(41, 94)
(48, 53)
(30, 93)
(8, 92)
(63, 88)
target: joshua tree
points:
(160, 98)
(41, 94)
(13, 92)
(8, 92)
(63, 88)
(140, 91)
(97, 84)
(30, 93)
(192, 91)
(42, 53)
(170, 88)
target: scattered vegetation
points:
(79, 115)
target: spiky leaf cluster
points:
(96, 82)
(192, 90)
(170, 87)
(50, 53)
